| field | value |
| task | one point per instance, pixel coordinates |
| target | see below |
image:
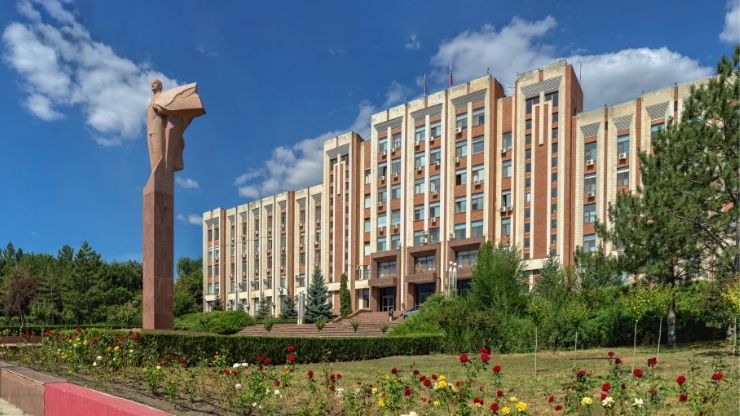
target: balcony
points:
(284, 282)
(422, 276)
(243, 286)
(255, 284)
(386, 280)
(267, 283)
(300, 281)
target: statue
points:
(169, 113)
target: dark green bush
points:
(199, 347)
(219, 322)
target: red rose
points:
(653, 391)
(434, 376)
(494, 407)
(485, 349)
(637, 373)
(652, 361)
(496, 369)
(611, 354)
(332, 377)
(407, 391)
(259, 358)
(427, 382)
(277, 383)
(499, 393)
(484, 356)
(416, 372)
(463, 358)
(603, 396)
(558, 407)
(717, 376)
(606, 387)
(682, 397)
(581, 373)
(339, 375)
(227, 371)
(457, 383)
(332, 387)
(310, 374)
(394, 370)
(551, 399)
(617, 361)
(478, 400)
(680, 380)
(266, 361)
(261, 367)
(291, 358)
(290, 348)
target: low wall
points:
(40, 394)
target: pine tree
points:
(288, 308)
(217, 305)
(83, 290)
(264, 309)
(345, 297)
(317, 298)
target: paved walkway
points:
(7, 409)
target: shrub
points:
(355, 325)
(268, 323)
(320, 322)
(220, 322)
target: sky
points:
(277, 78)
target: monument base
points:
(158, 253)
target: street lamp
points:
(452, 278)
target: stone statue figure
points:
(169, 113)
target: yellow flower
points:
(505, 410)
(513, 399)
(454, 389)
(374, 390)
(381, 403)
(586, 401)
(436, 403)
(442, 384)
(521, 406)
(117, 348)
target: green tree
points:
(217, 305)
(550, 283)
(264, 309)
(595, 270)
(188, 286)
(19, 291)
(83, 289)
(288, 308)
(345, 298)
(497, 281)
(317, 298)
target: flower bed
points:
(276, 382)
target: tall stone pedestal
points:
(159, 204)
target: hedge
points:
(219, 322)
(199, 347)
(38, 329)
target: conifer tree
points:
(264, 309)
(317, 298)
(345, 297)
(288, 308)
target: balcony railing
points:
(267, 283)
(255, 284)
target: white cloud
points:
(297, 166)
(413, 43)
(186, 183)
(396, 94)
(731, 31)
(62, 67)
(607, 78)
(193, 219)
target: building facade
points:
(400, 211)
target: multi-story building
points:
(398, 211)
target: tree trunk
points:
(671, 321)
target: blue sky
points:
(277, 78)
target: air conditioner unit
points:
(382, 178)
(434, 220)
(282, 268)
(437, 162)
(502, 209)
(381, 229)
(434, 192)
(256, 232)
(477, 181)
(395, 176)
(458, 130)
(591, 194)
(430, 139)
(504, 150)
(420, 168)
(383, 153)
(457, 159)
(395, 227)
(417, 143)
(232, 238)
(269, 251)
(380, 205)
(282, 226)
(589, 162)
(318, 223)
(622, 156)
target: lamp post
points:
(452, 279)
(301, 307)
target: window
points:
(554, 117)
(435, 156)
(531, 102)
(460, 231)
(476, 228)
(506, 141)
(479, 116)
(552, 96)
(434, 183)
(528, 154)
(424, 263)
(368, 176)
(554, 148)
(366, 249)
(396, 217)
(395, 241)
(461, 121)
(478, 145)
(589, 183)
(506, 226)
(382, 170)
(367, 201)
(396, 192)
(554, 162)
(396, 166)
(435, 129)
(461, 177)
(656, 129)
(461, 148)
(553, 177)
(526, 243)
(527, 197)
(526, 213)
(527, 167)
(526, 227)
(478, 174)
(527, 182)
(419, 212)
(554, 133)
(589, 243)
(528, 140)
(366, 226)
(623, 178)
(589, 213)
(419, 238)
(476, 202)
(419, 186)
(386, 268)
(506, 199)
(382, 145)
(553, 224)
(589, 151)
(382, 244)
(419, 160)
(506, 169)
(382, 194)
(553, 239)
(434, 210)
(553, 192)
(466, 257)
(460, 204)
(419, 133)
(433, 235)
(396, 141)
(553, 208)
(623, 144)
(528, 124)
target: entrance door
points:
(387, 298)
(422, 292)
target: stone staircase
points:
(370, 326)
